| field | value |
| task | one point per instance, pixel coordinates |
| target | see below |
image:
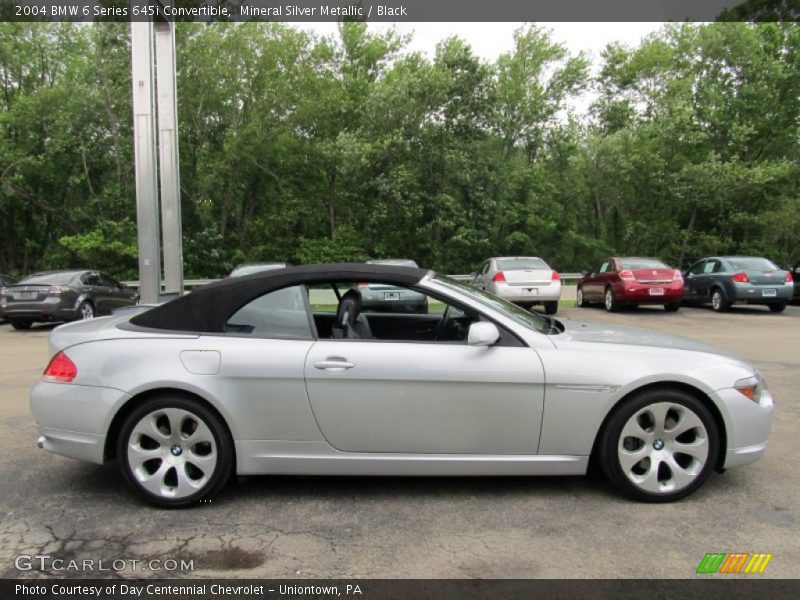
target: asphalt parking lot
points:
(416, 527)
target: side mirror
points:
(483, 333)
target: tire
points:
(21, 323)
(718, 301)
(777, 308)
(551, 308)
(640, 445)
(672, 306)
(85, 311)
(158, 458)
(579, 301)
(610, 300)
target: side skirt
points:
(318, 458)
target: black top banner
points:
(399, 10)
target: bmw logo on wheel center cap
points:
(176, 450)
(658, 444)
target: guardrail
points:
(195, 283)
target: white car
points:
(523, 280)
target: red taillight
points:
(61, 369)
(677, 276)
(556, 276)
(627, 275)
(55, 290)
(740, 278)
(363, 284)
(499, 277)
(789, 279)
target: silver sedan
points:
(523, 280)
(247, 377)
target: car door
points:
(706, 278)
(418, 397)
(483, 274)
(117, 296)
(691, 280)
(94, 290)
(594, 286)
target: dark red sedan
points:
(632, 281)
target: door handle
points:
(333, 364)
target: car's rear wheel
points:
(777, 308)
(551, 308)
(580, 302)
(86, 310)
(175, 451)
(672, 306)
(660, 445)
(21, 323)
(610, 301)
(718, 301)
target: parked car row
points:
(62, 296)
(720, 281)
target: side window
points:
(90, 279)
(278, 314)
(604, 267)
(697, 268)
(484, 268)
(106, 281)
(711, 267)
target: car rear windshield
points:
(641, 263)
(752, 264)
(50, 278)
(520, 264)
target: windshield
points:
(752, 264)
(520, 315)
(519, 264)
(50, 278)
(641, 263)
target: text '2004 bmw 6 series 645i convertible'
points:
(284, 372)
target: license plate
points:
(390, 296)
(532, 292)
(769, 293)
(656, 291)
(25, 295)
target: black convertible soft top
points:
(208, 308)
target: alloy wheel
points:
(172, 453)
(579, 297)
(663, 447)
(87, 311)
(609, 300)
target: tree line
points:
(303, 148)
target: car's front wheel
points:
(659, 445)
(175, 451)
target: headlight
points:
(752, 388)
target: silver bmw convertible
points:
(283, 372)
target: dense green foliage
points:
(312, 149)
